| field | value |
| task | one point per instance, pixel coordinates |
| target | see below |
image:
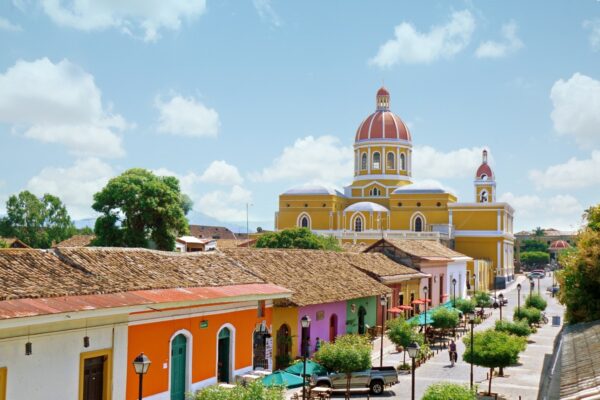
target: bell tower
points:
(485, 184)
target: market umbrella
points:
(396, 310)
(311, 368)
(282, 378)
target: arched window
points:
(376, 160)
(483, 177)
(391, 161)
(402, 162)
(418, 224)
(375, 192)
(304, 221)
(363, 163)
(358, 224)
(483, 196)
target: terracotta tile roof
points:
(211, 232)
(232, 243)
(77, 241)
(382, 267)
(353, 247)
(580, 362)
(422, 248)
(14, 243)
(315, 276)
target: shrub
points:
(535, 258)
(252, 391)
(444, 318)
(536, 301)
(449, 391)
(465, 306)
(518, 328)
(483, 299)
(297, 238)
(530, 314)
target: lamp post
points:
(248, 220)
(501, 297)
(305, 322)
(141, 365)
(539, 286)
(519, 298)
(531, 286)
(454, 303)
(413, 352)
(472, 322)
(425, 290)
(383, 302)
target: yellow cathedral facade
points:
(383, 201)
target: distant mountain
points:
(85, 223)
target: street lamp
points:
(305, 322)
(472, 322)
(413, 352)
(539, 286)
(141, 365)
(383, 302)
(531, 286)
(501, 297)
(454, 303)
(425, 290)
(519, 299)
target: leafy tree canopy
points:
(466, 306)
(539, 232)
(251, 391)
(535, 258)
(517, 328)
(536, 301)
(530, 314)
(297, 238)
(37, 221)
(533, 245)
(483, 299)
(444, 318)
(138, 207)
(402, 333)
(449, 391)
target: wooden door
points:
(333, 322)
(224, 354)
(93, 378)
(178, 367)
(361, 320)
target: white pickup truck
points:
(376, 379)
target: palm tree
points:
(538, 232)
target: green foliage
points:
(533, 245)
(138, 207)
(529, 314)
(402, 333)
(3, 244)
(482, 299)
(449, 391)
(517, 328)
(465, 305)
(252, 391)
(535, 258)
(536, 301)
(297, 238)
(539, 232)
(349, 353)
(580, 277)
(445, 318)
(38, 222)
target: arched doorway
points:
(333, 322)
(260, 341)
(178, 367)
(224, 356)
(361, 320)
(284, 347)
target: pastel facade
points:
(382, 200)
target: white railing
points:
(374, 234)
(444, 229)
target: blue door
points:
(178, 364)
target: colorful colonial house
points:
(383, 201)
(72, 321)
(327, 287)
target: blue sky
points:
(245, 99)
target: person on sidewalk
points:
(452, 352)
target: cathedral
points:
(383, 202)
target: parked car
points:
(376, 379)
(536, 275)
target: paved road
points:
(521, 380)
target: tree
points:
(539, 232)
(533, 245)
(38, 222)
(517, 328)
(251, 391)
(493, 349)
(536, 301)
(449, 391)
(444, 318)
(3, 244)
(348, 354)
(530, 314)
(402, 333)
(535, 258)
(138, 207)
(297, 238)
(483, 299)
(580, 277)
(465, 306)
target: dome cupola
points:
(383, 124)
(484, 172)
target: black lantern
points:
(141, 365)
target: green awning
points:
(420, 319)
(311, 368)
(282, 378)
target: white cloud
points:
(429, 163)
(225, 206)
(510, 44)
(594, 27)
(317, 160)
(75, 185)
(59, 103)
(410, 46)
(221, 173)
(266, 12)
(573, 174)
(6, 25)
(187, 117)
(131, 17)
(576, 103)
(561, 212)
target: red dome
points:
(559, 245)
(383, 124)
(484, 171)
(383, 92)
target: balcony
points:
(375, 235)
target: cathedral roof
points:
(313, 189)
(367, 206)
(383, 124)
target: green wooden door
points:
(224, 356)
(178, 363)
(361, 320)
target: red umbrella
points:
(396, 310)
(405, 307)
(425, 300)
(418, 301)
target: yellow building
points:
(383, 201)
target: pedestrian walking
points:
(452, 352)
